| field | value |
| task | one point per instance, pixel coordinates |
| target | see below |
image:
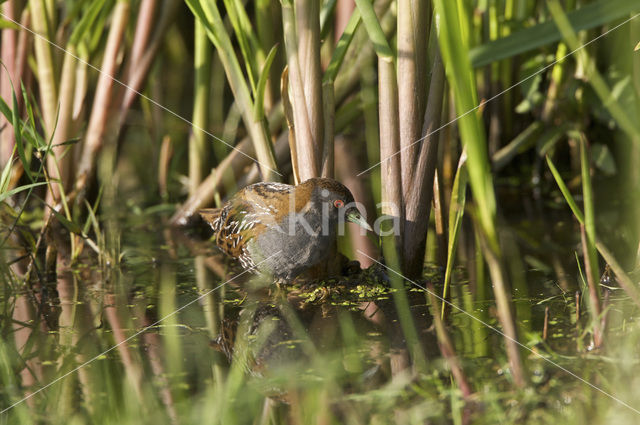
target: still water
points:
(161, 328)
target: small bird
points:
(283, 230)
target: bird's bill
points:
(354, 216)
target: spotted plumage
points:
(279, 229)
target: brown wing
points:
(248, 213)
(236, 226)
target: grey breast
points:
(298, 242)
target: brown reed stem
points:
(307, 146)
(412, 37)
(390, 144)
(7, 78)
(308, 30)
(58, 164)
(103, 107)
(418, 192)
(135, 75)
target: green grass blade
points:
(326, 13)
(17, 126)
(87, 21)
(461, 77)
(590, 16)
(589, 212)
(19, 189)
(25, 98)
(262, 84)
(565, 191)
(4, 177)
(456, 212)
(339, 53)
(68, 224)
(249, 46)
(4, 108)
(376, 34)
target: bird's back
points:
(244, 215)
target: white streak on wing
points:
(277, 187)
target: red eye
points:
(338, 203)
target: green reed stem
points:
(454, 33)
(198, 140)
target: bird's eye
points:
(338, 203)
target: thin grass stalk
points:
(588, 232)
(46, 67)
(197, 141)
(456, 212)
(308, 161)
(102, 108)
(595, 308)
(505, 312)
(418, 192)
(440, 222)
(342, 47)
(557, 75)
(527, 137)
(164, 159)
(446, 346)
(589, 205)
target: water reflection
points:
(138, 337)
